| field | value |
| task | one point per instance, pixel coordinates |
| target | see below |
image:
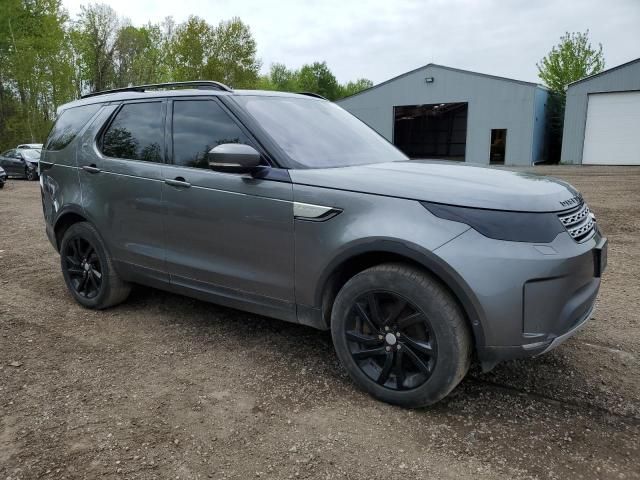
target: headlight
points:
(502, 225)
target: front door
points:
(228, 235)
(121, 178)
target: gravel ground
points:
(169, 387)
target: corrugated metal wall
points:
(619, 79)
(493, 103)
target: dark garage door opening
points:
(431, 131)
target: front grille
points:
(579, 222)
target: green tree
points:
(351, 88)
(138, 56)
(94, 38)
(233, 60)
(226, 53)
(279, 78)
(46, 60)
(34, 77)
(570, 60)
(318, 78)
(189, 49)
(264, 83)
(283, 79)
(315, 78)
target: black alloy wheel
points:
(400, 335)
(83, 266)
(391, 340)
(31, 174)
(88, 269)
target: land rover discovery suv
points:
(287, 206)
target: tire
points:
(30, 174)
(423, 352)
(88, 270)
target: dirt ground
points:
(169, 387)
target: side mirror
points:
(234, 158)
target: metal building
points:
(446, 113)
(602, 118)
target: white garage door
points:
(612, 133)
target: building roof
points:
(469, 72)
(623, 65)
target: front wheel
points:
(31, 174)
(400, 335)
(88, 270)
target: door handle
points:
(177, 182)
(91, 168)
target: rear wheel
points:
(401, 335)
(88, 270)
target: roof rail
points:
(199, 84)
(311, 94)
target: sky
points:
(379, 39)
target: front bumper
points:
(565, 336)
(489, 356)
(530, 297)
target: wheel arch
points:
(368, 254)
(65, 219)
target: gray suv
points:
(287, 206)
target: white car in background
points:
(29, 146)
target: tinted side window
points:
(69, 123)
(136, 133)
(198, 126)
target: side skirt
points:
(248, 302)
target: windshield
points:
(318, 134)
(31, 154)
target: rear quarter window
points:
(68, 124)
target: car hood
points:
(448, 182)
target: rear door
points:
(121, 175)
(5, 161)
(12, 163)
(227, 234)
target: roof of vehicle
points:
(30, 146)
(174, 90)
